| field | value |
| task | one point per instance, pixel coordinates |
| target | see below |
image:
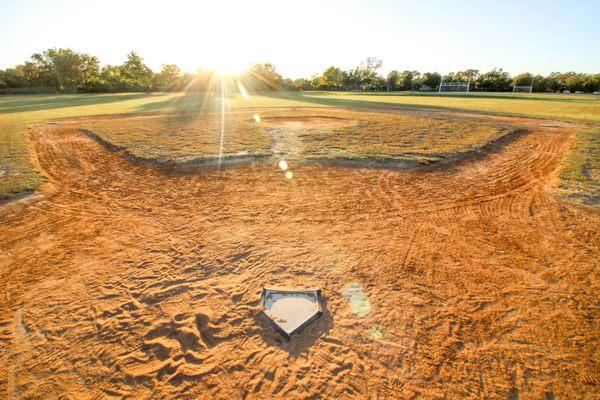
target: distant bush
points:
(29, 90)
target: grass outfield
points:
(18, 113)
(581, 108)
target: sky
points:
(304, 37)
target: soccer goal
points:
(455, 86)
(523, 89)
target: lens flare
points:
(359, 302)
(360, 305)
(289, 175)
(377, 334)
(257, 117)
(221, 144)
(242, 90)
(283, 165)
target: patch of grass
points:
(388, 137)
(580, 174)
(18, 113)
(183, 138)
(17, 172)
(323, 134)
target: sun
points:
(228, 65)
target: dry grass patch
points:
(350, 135)
(321, 134)
(580, 173)
(183, 138)
(304, 122)
(18, 173)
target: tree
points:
(592, 83)
(467, 75)
(540, 83)
(316, 82)
(406, 80)
(333, 78)
(15, 77)
(365, 75)
(169, 78)
(35, 76)
(392, 81)
(555, 81)
(65, 68)
(302, 84)
(378, 83)
(111, 79)
(4, 79)
(262, 77)
(135, 74)
(574, 82)
(524, 79)
(431, 79)
(495, 80)
(353, 79)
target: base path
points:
(466, 279)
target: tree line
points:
(366, 77)
(68, 71)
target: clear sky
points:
(304, 37)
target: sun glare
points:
(228, 66)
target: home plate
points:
(291, 310)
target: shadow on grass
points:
(44, 102)
(186, 104)
(366, 104)
(323, 99)
(190, 102)
(475, 95)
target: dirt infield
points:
(466, 279)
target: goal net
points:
(524, 89)
(454, 87)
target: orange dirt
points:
(467, 279)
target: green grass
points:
(581, 108)
(19, 113)
(580, 174)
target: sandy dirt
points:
(467, 279)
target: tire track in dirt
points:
(139, 282)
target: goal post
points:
(523, 89)
(455, 86)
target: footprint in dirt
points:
(188, 332)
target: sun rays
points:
(208, 95)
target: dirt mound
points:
(303, 122)
(467, 279)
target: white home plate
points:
(291, 310)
